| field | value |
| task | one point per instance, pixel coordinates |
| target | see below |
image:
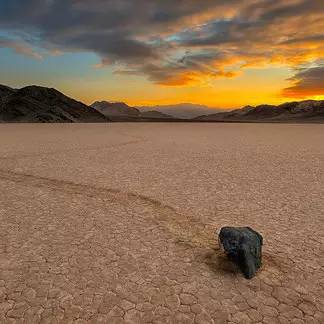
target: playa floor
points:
(118, 223)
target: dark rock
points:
(243, 245)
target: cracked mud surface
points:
(116, 223)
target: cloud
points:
(307, 82)
(172, 42)
(189, 68)
(20, 48)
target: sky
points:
(224, 54)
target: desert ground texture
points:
(118, 223)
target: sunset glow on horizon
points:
(224, 54)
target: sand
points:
(117, 223)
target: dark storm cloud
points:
(102, 27)
(114, 29)
(51, 16)
(307, 39)
(167, 40)
(292, 9)
(119, 31)
(255, 23)
(214, 33)
(307, 82)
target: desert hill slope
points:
(39, 104)
(307, 110)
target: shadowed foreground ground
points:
(116, 223)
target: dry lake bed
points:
(118, 223)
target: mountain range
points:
(297, 111)
(308, 110)
(39, 104)
(182, 110)
(119, 111)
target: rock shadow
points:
(220, 264)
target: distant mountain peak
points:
(154, 114)
(115, 108)
(182, 110)
(122, 110)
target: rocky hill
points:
(5, 91)
(303, 111)
(36, 104)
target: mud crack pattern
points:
(78, 252)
